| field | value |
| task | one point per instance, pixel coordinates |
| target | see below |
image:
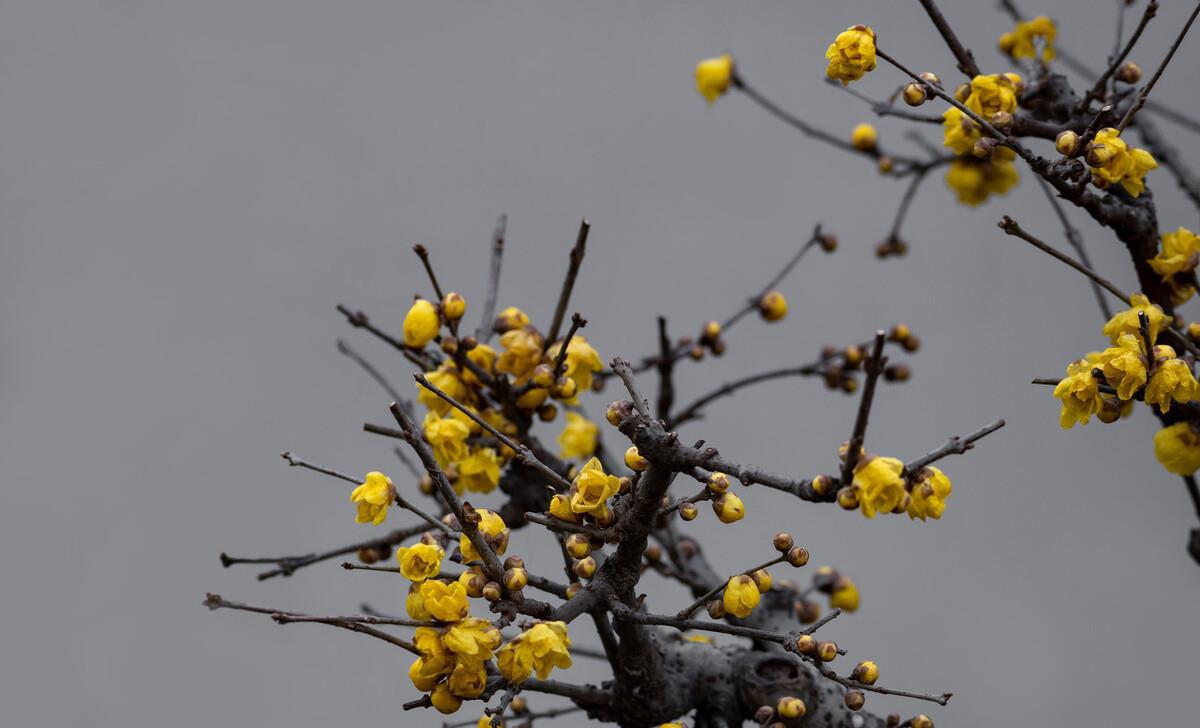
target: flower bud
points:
(790, 708)
(420, 324)
(696, 353)
(930, 78)
(827, 651)
(962, 92)
(885, 164)
(717, 347)
(425, 484)
(849, 385)
(729, 508)
(634, 460)
(565, 388)
(449, 345)
(866, 672)
(1110, 410)
(893, 720)
(783, 542)
(1003, 121)
(368, 555)
(584, 568)
(847, 498)
(688, 511)
(543, 376)
(1193, 331)
(547, 412)
(828, 242)
(518, 705)
(854, 700)
(653, 553)
(511, 318)
(715, 608)
(573, 589)
(578, 545)
(474, 582)
(1067, 143)
(797, 556)
(626, 484)
(921, 721)
(914, 94)
(618, 411)
(764, 714)
(806, 644)
(852, 356)
(492, 591)
(762, 580)
(911, 344)
(807, 612)
(710, 332)
(516, 578)
(864, 137)
(1098, 155)
(1129, 72)
(897, 373)
(453, 306)
(983, 148)
(899, 332)
(772, 306)
(718, 483)
(821, 484)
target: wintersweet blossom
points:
(540, 649)
(713, 77)
(420, 561)
(851, 54)
(373, 497)
(878, 485)
(1177, 447)
(741, 595)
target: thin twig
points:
(716, 591)
(666, 369)
(374, 373)
(215, 601)
(486, 328)
(954, 446)
(1098, 90)
(560, 362)
(1076, 242)
(966, 60)
(621, 368)
(287, 565)
(564, 296)
(1145, 92)
(873, 367)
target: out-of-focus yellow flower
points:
(1124, 365)
(479, 472)
(578, 438)
(448, 437)
(864, 137)
(1172, 380)
(741, 595)
(581, 363)
(959, 133)
(373, 497)
(420, 324)
(486, 722)
(851, 54)
(878, 485)
(700, 639)
(445, 602)
(443, 700)
(1126, 322)
(975, 180)
(492, 526)
(1022, 41)
(1179, 256)
(1113, 161)
(511, 318)
(1079, 393)
(414, 603)
(484, 357)
(540, 649)
(593, 488)
(446, 378)
(990, 94)
(713, 76)
(929, 493)
(1177, 447)
(844, 595)
(420, 561)
(522, 352)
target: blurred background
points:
(188, 189)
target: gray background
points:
(190, 187)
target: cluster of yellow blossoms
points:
(1022, 42)
(1176, 263)
(974, 179)
(851, 54)
(1115, 162)
(882, 485)
(1106, 383)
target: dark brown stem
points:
(486, 327)
(1145, 92)
(966, 60)
(873, 367)
(215, 601)
(1099, 89)
(564, 297)
(287, 565)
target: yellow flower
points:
(1172, 380)
(541, 648)
(990, 94)
(864, 137)
(373, 497)
(1177, 447)
(844, 595)
(420, 324)
(1126, 322)
(974, 180)
(713, 76)
(484, 357)
(1179, 255)
(578, 438)
(446, 378)
(878, 485)
(444, 701)
(468, 679)
(414, 603)
(741, 595)
(1113, 161)
(448, 437)
(729, 508)
(851, 54)
(581, 363)
(492, 527)
(422, 676)
(593, 488)
(479, 472)
(959, 133)
(1080, 394)
(511, 318)
(1124, 365)
(421, 561)
(445, 602)
(472, 639)
(560, 508)
(522, 352)
(1021, 42)
(428, 641)
(929, 494)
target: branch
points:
(1145, 92)
(954, 446)
(966, 60)
(666, 367)
(873, 367)
(1076, 242)
(1098, 90)
(215, 601)
(287, 565)
(374, 373)
(564, 296)
(486, 328)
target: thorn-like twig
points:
(564, 296)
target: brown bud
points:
(718, 347)
(897, 373)
(688, 511)
(922, 721)
(710, 332)
(492, 591)
(475, 582)
(618, 411)
(893, 720)
(368, 555)
(853, 356)
(467, 343)
(1067, 143)
(696, 353)
(849, 385)
(827, 651)
(931, 78)
(514, 562)
(1129, 72)
(962, 92)
(807, 612)
(783, 542)
(426, 484)
(854, 700)
(984, 147)
(547, 412)
(885, 164)
(914, 94)
(797, 556)
(715, 608)
(828, 241)
(584, 568)
(518, 705)
(573, 589)
(899, 332)
(821, 484)
(806, 644)
(1003, 121)
(450, 345)
(911, 344)
(653, 553)
(764, 714)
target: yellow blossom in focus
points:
(472, 639)
(844, 596)
(990, 94)
(445, 602)
(581, 363)
(741, 595)
(448, 437)
(373, 497)
(1177, 447)
(540, 649)
(974, 180)
(1179, 256)
(1113, 161)
(414, 603)
(713, 76)
(864, 137)
(1080, 394)
(479, 472)
(446, 378)
(420, 324)
(1124, 365)
(1172, 380)
(578, 438)
(522, 352)
(420, 561)
(929, 494)
(1126, 322)
(560, 508)
(443, 700)
(593, 488)
(468, 679)
(1021, 42)
(492, 526)
(878, 485)
(432, 650)
(422, 676)
(851, 54)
